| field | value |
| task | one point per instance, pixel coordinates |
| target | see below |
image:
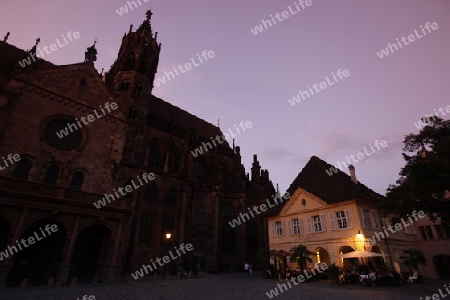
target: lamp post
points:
(168, 235)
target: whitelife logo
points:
(360, 156)
(411, 38)
(11, 158)
(128, 189)
(429, 118)
(124, 9)
(263, 207)
(86, 120)
(398, 226)
(31, 240)
(165, 260)
(438, 296)
(39, 54)
(301, 278)
(199, 150)
(187, 67)
(86, 297)
(323, 85)
(281, 17)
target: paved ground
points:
(224, 286)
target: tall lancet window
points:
(130, 62)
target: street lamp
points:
(168, 236)
(361, 239)
(359, 234)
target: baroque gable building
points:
(59, 177)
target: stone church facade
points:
(57, 180)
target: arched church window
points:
(154, 155)
(151, 193)
(77, 180)
(51, 174)
(22, 169)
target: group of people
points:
(377, 277)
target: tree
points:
(413, 257)
(301, 256)
(277, 257)
(424, 182)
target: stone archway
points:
(322, 255)
(441, 264)
(91, 253)
(348, 263)
(40, 259)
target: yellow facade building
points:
(333, 215)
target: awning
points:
(361, 253)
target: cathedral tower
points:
(134, 70)
(130, 80)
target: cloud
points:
(279, 153)
(338, 145)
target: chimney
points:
(351, 169)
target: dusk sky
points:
(252, 76)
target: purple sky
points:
(252, 76)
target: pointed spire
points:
(91, 54)
(146, 25)
(33, 50)
(148, 14)
(6, 36)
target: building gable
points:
(300, 202)
(78, 82)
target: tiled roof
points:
(169, 113)
(331, 189)
(11, 55)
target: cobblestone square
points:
(234, 286)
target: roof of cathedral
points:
(331, 189)
(161, 109)
(11, 55)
